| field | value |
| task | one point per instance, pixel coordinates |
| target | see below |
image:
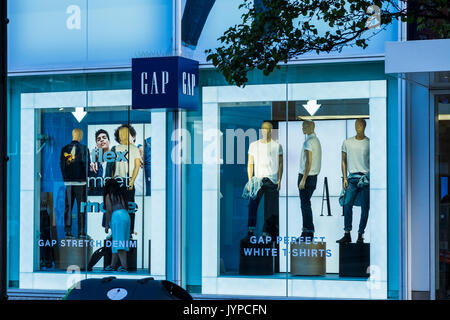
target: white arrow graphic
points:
(312, 107)
(79, 113)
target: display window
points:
(251, 225)
(294, 191)
(87, 182)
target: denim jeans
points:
(350, 195)
(305, 201)
(271, 207)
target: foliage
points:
(274, 31)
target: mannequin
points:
(355, 161)
(74, 163)
(265, 161)
(128, 170)
(310, 164)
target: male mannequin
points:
(131, 166)
(355, 161)
(74, 163)
(310, 163)
(265, 160)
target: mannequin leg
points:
(305, 202)
(115, 260)
(271, 208)
(349, 199)
(253, 209)
(271, 215)
(68, 206)
(365, 203)
(80, 195)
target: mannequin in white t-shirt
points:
(309, 169)
(265, 162)
(355, 179)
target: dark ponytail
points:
(115, 192)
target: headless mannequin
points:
(360, 127)
(266, 132)
(308, 180)
(74, 167)
(126, 141)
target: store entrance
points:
(442, 103)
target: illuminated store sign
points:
(166, 82)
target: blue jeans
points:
(350, 195)
(271, 207)
(305, 201)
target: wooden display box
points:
(71, 255)
(308, 259)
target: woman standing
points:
(118, 219)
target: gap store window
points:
(72, 135)
(266, 231)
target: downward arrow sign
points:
(312, 107)
(79, 113)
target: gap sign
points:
(165, 83)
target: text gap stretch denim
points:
(305, 201)
(363, 193)
(270, 192)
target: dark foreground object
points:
(354, 260)
(111, 288)
(258, 262)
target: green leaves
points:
(279, 30)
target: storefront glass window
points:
(73, 145)
(294, 236)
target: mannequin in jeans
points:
(265, 160)
(310, 164)
(74, 164)
(355, 160)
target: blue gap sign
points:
(165, 83)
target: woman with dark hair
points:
(118, 219)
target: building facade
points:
(70, 84)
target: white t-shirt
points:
(358, 154)
(265, 159)
(125, 169)
(312, 144)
